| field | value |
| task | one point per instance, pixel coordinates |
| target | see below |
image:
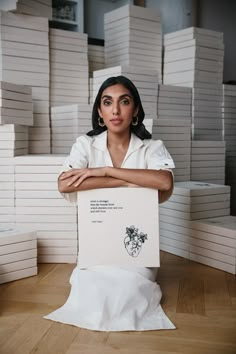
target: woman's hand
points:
(77, 176)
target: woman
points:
(118, 152)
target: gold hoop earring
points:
(101, 122)
(135, 121)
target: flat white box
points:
(60, 258)
(134, 11)
(195, 31)
(16, 266)
(192, 189)
(120, 230)
(13, 234)
(213, 263)
(19, 274)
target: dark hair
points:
(139, 129)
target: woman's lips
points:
(116, 120)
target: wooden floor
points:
(201, 301)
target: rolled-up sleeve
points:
(78, 158)
(158, 157)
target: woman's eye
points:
(125, 102)
(107, 103)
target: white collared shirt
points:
(90, 152)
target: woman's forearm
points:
(157, 179)
(91, 183)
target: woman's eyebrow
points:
(106, 96)
(125, 95)
(120, 97)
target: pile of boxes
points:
(133, 36)
(7, 189)
(69, 82)
(206, 113)
(69, 122)
(214, 242)
(95, 58)
(39, 206)
(176, 134)
(195, 223)
(174, 102)
(193, 57)
(191, 112)
(208, 161)
(18, 253)
(25, 61)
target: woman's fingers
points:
(77, 176)
(81, 179)
(67, 174)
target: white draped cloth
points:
(114, 298)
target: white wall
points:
(220, 16)
(175, 14)
(8, 5)
(94, 15)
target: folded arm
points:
(108, 177)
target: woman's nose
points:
(115, 109)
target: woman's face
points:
(117, 108)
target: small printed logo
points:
(134, 240)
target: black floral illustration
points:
(134, 240)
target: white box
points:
(19, 274)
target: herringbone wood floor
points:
(200, 300)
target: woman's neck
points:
(118, 140)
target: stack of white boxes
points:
(133, 48)
(229, 117)
(69, 81)
(174, 102)
(18, 253)
(16, 105)
(68, 123)
(15, 116)
(193, 58)
(25, 61)
(40, 206)
(190, 201)
(208, 161)
(146, 82)
(206, 113)
(7, 188)
(174, 120)
(13, 140)
(176, 135)
(213, 243)
(42, 8)
(133, 36)
(95, 58)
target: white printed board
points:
(118, 226)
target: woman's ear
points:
(136, 112)
(100, 112)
